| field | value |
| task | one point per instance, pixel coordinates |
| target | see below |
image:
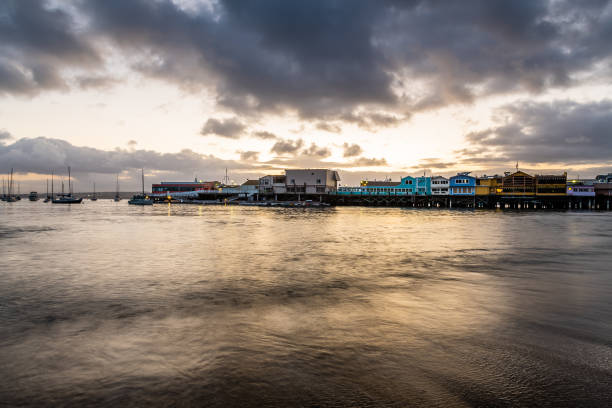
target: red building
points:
(183, 186)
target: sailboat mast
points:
(51, 184)
(142, 172)
(69, 186)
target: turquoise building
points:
(423, 185)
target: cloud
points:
(41, 155)
(329, 127)
(249, 155)
(264, 135)
(316, 151)
(555, 132)
(351, 150)
(318, 58)
(4, 136)
(283, 147)
(230, 128)
(132, 143)
(368, 162)
(38, 43)
(95, 81)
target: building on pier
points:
(311, 181)
(488, 185)
(603, 189)
(604, 178)
(439, 185)
(273, 184)
(580, 188)
(184, 186)
(423, 185)
(551, 185)
(462, 185)
(518, 184)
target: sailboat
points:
(94, 197)
(141, 199)
(9, 197)
(66, 198)
(3, 190)
(117, 196)
(48, 198)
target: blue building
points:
(462, 185)
(423, 185)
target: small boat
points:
(66, 198)
(117, 196)
(33, 196)
(141, 199)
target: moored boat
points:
(141, 199)
(66, 198)
(33, 196)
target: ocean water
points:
(104, 304)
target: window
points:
(318, 181)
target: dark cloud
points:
(329, 127)
(558, 132)
(317, 151)
(95, 81)
(378, 61)
(5, 135)
(351, 150)
(38, 42)
(264, 135)
(249, 155)
(369, 162)
(231, 128)
(40, 155)
(283, 147)
(433, 163)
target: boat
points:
(33, 196)
(48, 198)
(66, 198)
(94, 197)
(141, 199)
(10, 198)
(117, 196)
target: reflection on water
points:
(107, 304)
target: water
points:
(106, 304)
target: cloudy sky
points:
(187, 88)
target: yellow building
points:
(488, 185)
(551, 185)
(518, 184)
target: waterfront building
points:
(423, 185)
(462, 185)
(604, 178)
(580, 188)
(273, 184)
(518, 184)
(250, 187)
(439, 185)
(184, 186)
(311, 181)
(603, 189)
(551, 185)
(488, 185)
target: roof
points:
(381, 183)
(251, 183)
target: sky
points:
(373, 89)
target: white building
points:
(311, 181)
(272, 184)
(439, 185)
